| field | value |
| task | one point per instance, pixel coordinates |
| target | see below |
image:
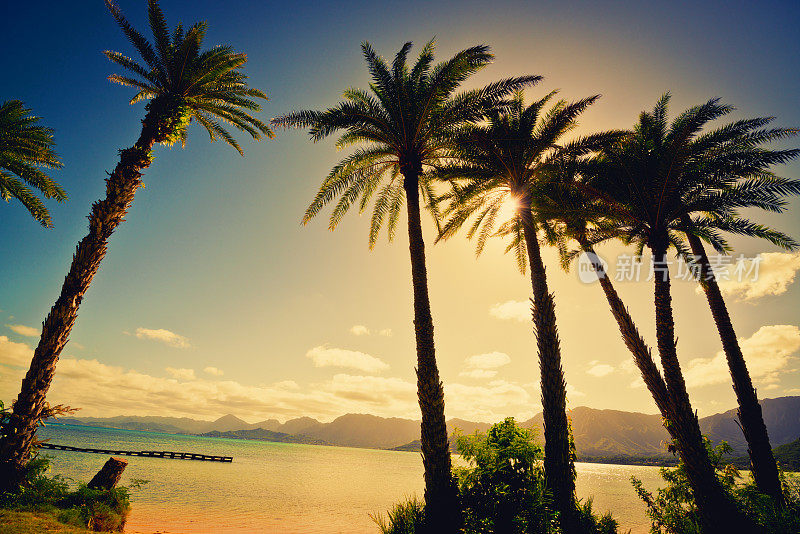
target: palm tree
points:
(183, 83)
(405, 124)
(573, 210)
(503, 162)
(26, 148)
(664, 185)
(736, 166)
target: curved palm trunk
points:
(441, 503)
(762, 461)
(558, 458)
(718, 513)
(636, 344)
(106, 215)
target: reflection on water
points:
(288, 488)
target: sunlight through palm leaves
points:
(406, 122)
(508, 157)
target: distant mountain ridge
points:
(598, 433)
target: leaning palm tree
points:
(405, 124)
(572, 210)
(503, 162)
(26, 149)
(664, 186)
(183, 83)
(736, 168)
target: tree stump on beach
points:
(109, 475)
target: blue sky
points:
(213, 251)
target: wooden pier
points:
(147, 454)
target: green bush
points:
(501, 491)
(503, 488)
(405, 518)
(672, 509)
(98, 510)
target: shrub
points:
(501, 491)
(98, 510)
(672, 509)
(404, 518)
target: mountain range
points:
(598, 433)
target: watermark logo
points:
(591, 267)
(635, 268)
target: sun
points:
(508, 210)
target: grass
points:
(17, 522)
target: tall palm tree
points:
(572, 210)
(502, 162)
(405, 123)
(183, 83)
(26, 148)
(735, 165)
(662, 190)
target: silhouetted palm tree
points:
(667, 182)
(183, 83)
(504, 162)
(736, 168)
(572, 210)
(406, 122)
(26, 148)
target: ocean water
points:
(288, 488)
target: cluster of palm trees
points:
(462, 156)
(662, 185)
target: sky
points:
(213, 299)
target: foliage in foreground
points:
(97, 510)
(672, 509)
(502, 490)
(35, 523)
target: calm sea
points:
(288, 488)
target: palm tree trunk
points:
(636, 344)
(106, 215)
(559, 466)
(441, 502)
(762, 461)
(718, 513)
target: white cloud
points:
(11, 353)
(512, 310)
(767, 352)
(492, 402)
(181, 373)
(572, 392)
(776, 272)
(599, 369)
(490, 360)
(478, 373)
(102, 390)
(333, 357)
(359, 330)
(213, 371)
(27, 331)
(637, 383)
(164, 336)
(372, 389)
